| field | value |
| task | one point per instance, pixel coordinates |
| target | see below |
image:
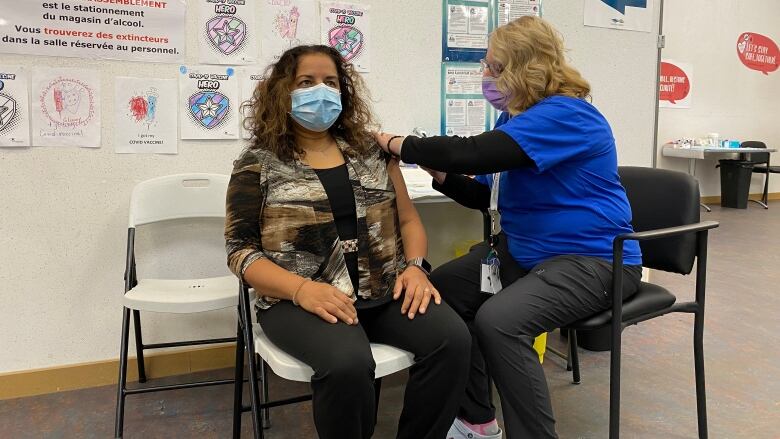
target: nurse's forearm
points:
(489, 152)
(465, 191)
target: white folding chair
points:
(388, 360)
(166, 198)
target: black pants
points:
(557, 292)
(343, 380)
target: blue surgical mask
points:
(316, 108)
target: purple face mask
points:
(493, 94)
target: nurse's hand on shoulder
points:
(417, 289)
(328, 302)
(383, 139)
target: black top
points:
(489, 152)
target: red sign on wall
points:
(758, 52)
(674, 85)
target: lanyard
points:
(493, 211)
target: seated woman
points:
(319, 223)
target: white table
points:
(694, 153)
(418, 184)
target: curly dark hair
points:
(268, 111)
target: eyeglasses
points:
(495, 69)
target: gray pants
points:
(557, 292)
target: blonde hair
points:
(532, 54)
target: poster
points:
(14, 106)
(208, 99)
(66, 107)
(636, 15)
(248, 80)
(226, 32)
(510, 10)
(758, 52)
(285, 24)
(133, 30)
(467, 26)
(347, 28)
(674, 85)
(464, 110)
(145, 115)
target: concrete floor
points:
(658, 399)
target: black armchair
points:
(760, 161)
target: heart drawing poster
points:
(227, 33)
(209, 102)
(346, 27)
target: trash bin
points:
(735, 183)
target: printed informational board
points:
(145, 115)
(464, 110)
(509, 10)
(675, 84)
(285, 24)
(248, 80)
(466, 27)
(208, 99)
(14, 106)
(636, 15)
(66, 107)
(227, 32)
(346, 28)
(133, 30)
(758, 52)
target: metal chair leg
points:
(254, 391)
(698, 355)
(568, 349)
(122, 382)
(238, 392)
(139, 346)
(574, 356)
(264, 381)
(614, 387)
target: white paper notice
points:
(346, 27)
(285, 24)
(227, 32)
(509, 10)
(463, 79)
(248, 80)
(467, 27)
(465, 117)
(636, 15)
(14, 106)
(66, 107)
(209, 102)
(145, 115)
(135, 30)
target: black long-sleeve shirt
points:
(486, 153)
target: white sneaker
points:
(459, 430)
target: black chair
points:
(665, 209)
(760, 161)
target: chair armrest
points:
(667, 232)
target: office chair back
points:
(178, 196)
(757, 158)
(660, 198)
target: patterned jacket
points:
(280, 211)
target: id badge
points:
(490, 274)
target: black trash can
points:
(735, 183)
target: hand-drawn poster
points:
(227, 32)
(249, 78)
(285, 24)
(346, 27)
(14, 107)
(510, 10)
(145, 116)
(636, 15)
(66, 107)
(208, 103)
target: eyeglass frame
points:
(495, 69)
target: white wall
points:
(728, 98)
(63, 213)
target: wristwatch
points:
(420, 263)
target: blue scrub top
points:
(572, 201)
